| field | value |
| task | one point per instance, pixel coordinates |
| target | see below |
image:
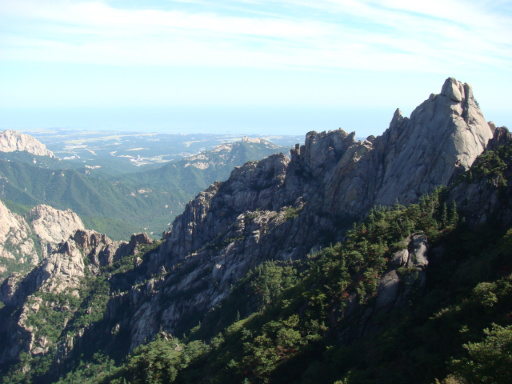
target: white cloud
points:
(369, 35)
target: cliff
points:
(282, 209)
(11, 141)
(26, 240)
(278, 209)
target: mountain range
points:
(385, 260)
(124, 204)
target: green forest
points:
(315, 320)
(124, 204)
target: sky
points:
(247, 66)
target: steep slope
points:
(285, 210)
(52, 295)
(280, 209)
(26, 240)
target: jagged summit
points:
(442, 138)
(329, 182)
(278, 208)
(456, 91)
(11, 141)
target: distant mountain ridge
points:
(136, 202)
(195, 173)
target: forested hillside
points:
(372, 308)
(387, 260)
(119, 206)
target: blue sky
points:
(246, 66)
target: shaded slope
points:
(282, 211)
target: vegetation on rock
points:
(315, 320)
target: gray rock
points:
(400, 258)
(11, 141)
(281, 208)
(418, 255)
(387, 290)
(43, 225)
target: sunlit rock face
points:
(30, 238)
(11, 141)
(278, 208)
(281, 208)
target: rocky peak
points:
(501, 136)
(26, 240)
(101, 250)
(279, 208)
(11, 141)
(396, 120)
(442, 138)
(339, 178)
(454, 90)
(213, 211)
(322, 149)
(52, 225)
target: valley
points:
(114, 152)
(115, 193)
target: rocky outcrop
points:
(281, 208)
(11, 141)
(15, 238)
(440, 140)
(64, 269)
(407, 271)
(27, 240)
(501, 136)
(485, 198)
(278, 208)
(62, 272)
(53, 226)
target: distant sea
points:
(218, 120)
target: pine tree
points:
(454, 216)
(444, 216)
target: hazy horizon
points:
(208, 120)
(287, 67)
(221, 120)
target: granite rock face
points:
(440, 140)
(11, 141)
(28, 239)
(62, 272)
(52, 225)
(279, 208)
(15, 241)
(282, 208)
